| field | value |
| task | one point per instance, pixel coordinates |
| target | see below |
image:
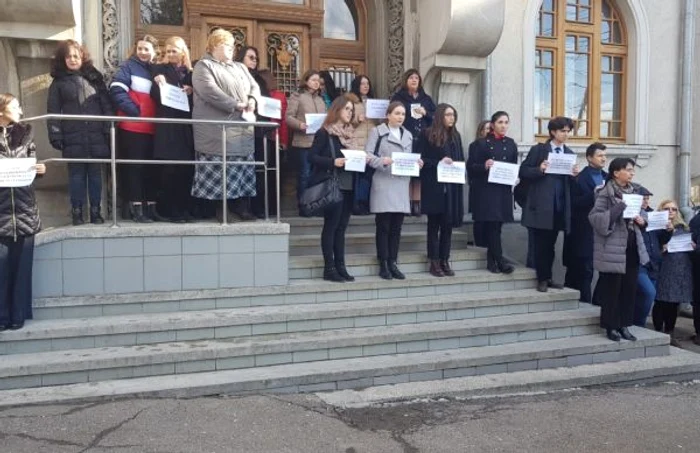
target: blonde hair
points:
(176, 41)
(152, 40)
(678, 220)
(218, 37)
(5, 99)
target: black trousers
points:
(579, 275)
(439, 237)
(479, 229)
(16, 259)
(335, 222)
(544, 252)
(175, 188)
(492, 235)
(258, 203)
(138, 180)
(618, 291)
(664, 316)
(388, 235)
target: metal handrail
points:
(113, 161)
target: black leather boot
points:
(343, 271)
(612, 334)
(77, 215)
(436, 269)
(96, 216)
(242, 209)
(395, 272)
(491, 264)
(626, 334)
(384, 271)
(151, 212)
(330, 273)
(136, 213)
(446, 269)
(505, 267)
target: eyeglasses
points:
(671, 208)
(252, 57)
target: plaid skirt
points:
(240, 179)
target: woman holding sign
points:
(493, 199)
(327, 158)
(19, 219)
(618, 249)
(173, 81)
(443, 203)
(389, 197)
(674, 285)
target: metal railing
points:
(113, 161)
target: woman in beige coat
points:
(307, 100)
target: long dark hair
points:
(405, 77)
(244, 50)
(329, 84)
(355, 86)
(58, 62)
(438, 133)
(480, 129)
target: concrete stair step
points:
(299, 291)
(83, 365)
(362, 372)
(366, 242)
(132, 330)
(360, 265)
(358, 224)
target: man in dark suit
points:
(578, 244)
(548, 204)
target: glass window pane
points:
(162, 12)
(548, 5)
(617, 64)
(584, 2)
(615, 129)
(581, 129)
(584, 15)
(293, 2)
(547, 25)
(605, 31)
(571, 43)
(571, 13)
(617, 33)
(605, 64)
(340, 20)
(611, 97)
(576, 83)
(604, 129)
(544, 79)
(547, 58)
(606, 11)
(583, 44)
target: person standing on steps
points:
(578, 244)
(695, 230)
(131, 93)
(649, 273)
(19, 220)
(389, 197)
(493, 203)
(307, 100)
(326, 157)
(675, 282)
(442, 203)
(618, 250)
(547, 209)
(78, 88)
(482, 130)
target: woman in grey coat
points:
(674, 285)
(224, 90)
(618, 250)
(389, 198)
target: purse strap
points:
(330, 141)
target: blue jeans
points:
(81, 174)
(304, 172)
(646, 293)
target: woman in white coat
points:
(389, 197)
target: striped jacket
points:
(131, 93)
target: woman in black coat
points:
(19, 220)
(326, 158)
(442, 203)
(79, 89)
(174, 141)
(420, 108)
(493, 203)
(482, 130)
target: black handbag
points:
(318, 197)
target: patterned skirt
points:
(240, 179)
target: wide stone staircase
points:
(312, 336)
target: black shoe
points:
(553, 285)
(136, 213)
(542, 287)
(3, 327)
(612, 335)
(77, 215)
(446, 269)
(16, 326)
(492, 265)
(626, 334)
(505, 267)
(384, 271)
(436, 269)
(151, 212)
(331, 274)
(343, 271)
(95, 216)
(395, 272)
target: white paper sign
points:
(17, 172)
(314, 121)
(560, 163)
(376, 108)
(657, 220)
(454, 173)
(680, 243)
(415, 113)
(173, 97)
(270, 107)
(634, 205)
(405, 164)
(504, 173)
(356, 160)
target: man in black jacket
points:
(548, 205)
(695, 229)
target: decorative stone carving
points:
(110, 36)
(396, 43)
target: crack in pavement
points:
(107, 431)
(56, 442)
